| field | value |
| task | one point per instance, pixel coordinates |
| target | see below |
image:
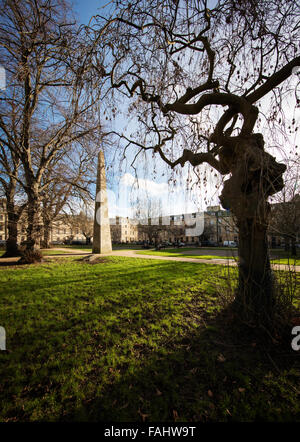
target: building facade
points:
(219, 226)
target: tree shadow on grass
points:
(76, 366)
(9, 263)
(216, 373)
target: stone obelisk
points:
(101, 236)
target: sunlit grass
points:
(175, 253)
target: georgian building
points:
(123, 230)
(59, 231)
(219, 226)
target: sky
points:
(85, 9)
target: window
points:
(1, 227)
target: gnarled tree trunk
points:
(255, 297)
(255, 175)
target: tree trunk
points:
(34, 222)
(46, 236)
(12, 232)
(255, 175)
(293, 248)
(255, 297)
(286, 244)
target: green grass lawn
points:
(288, 261)
(130, 340)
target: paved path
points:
(132, 254)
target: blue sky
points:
(85, 9)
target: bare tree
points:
(197, 79)
(209, 233)
(82, 221)
(85, 225)
(65, 179)
(46, 107)
(152, 224)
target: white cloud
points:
(140, 185)
(132, 190)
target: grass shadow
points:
(213, 374)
